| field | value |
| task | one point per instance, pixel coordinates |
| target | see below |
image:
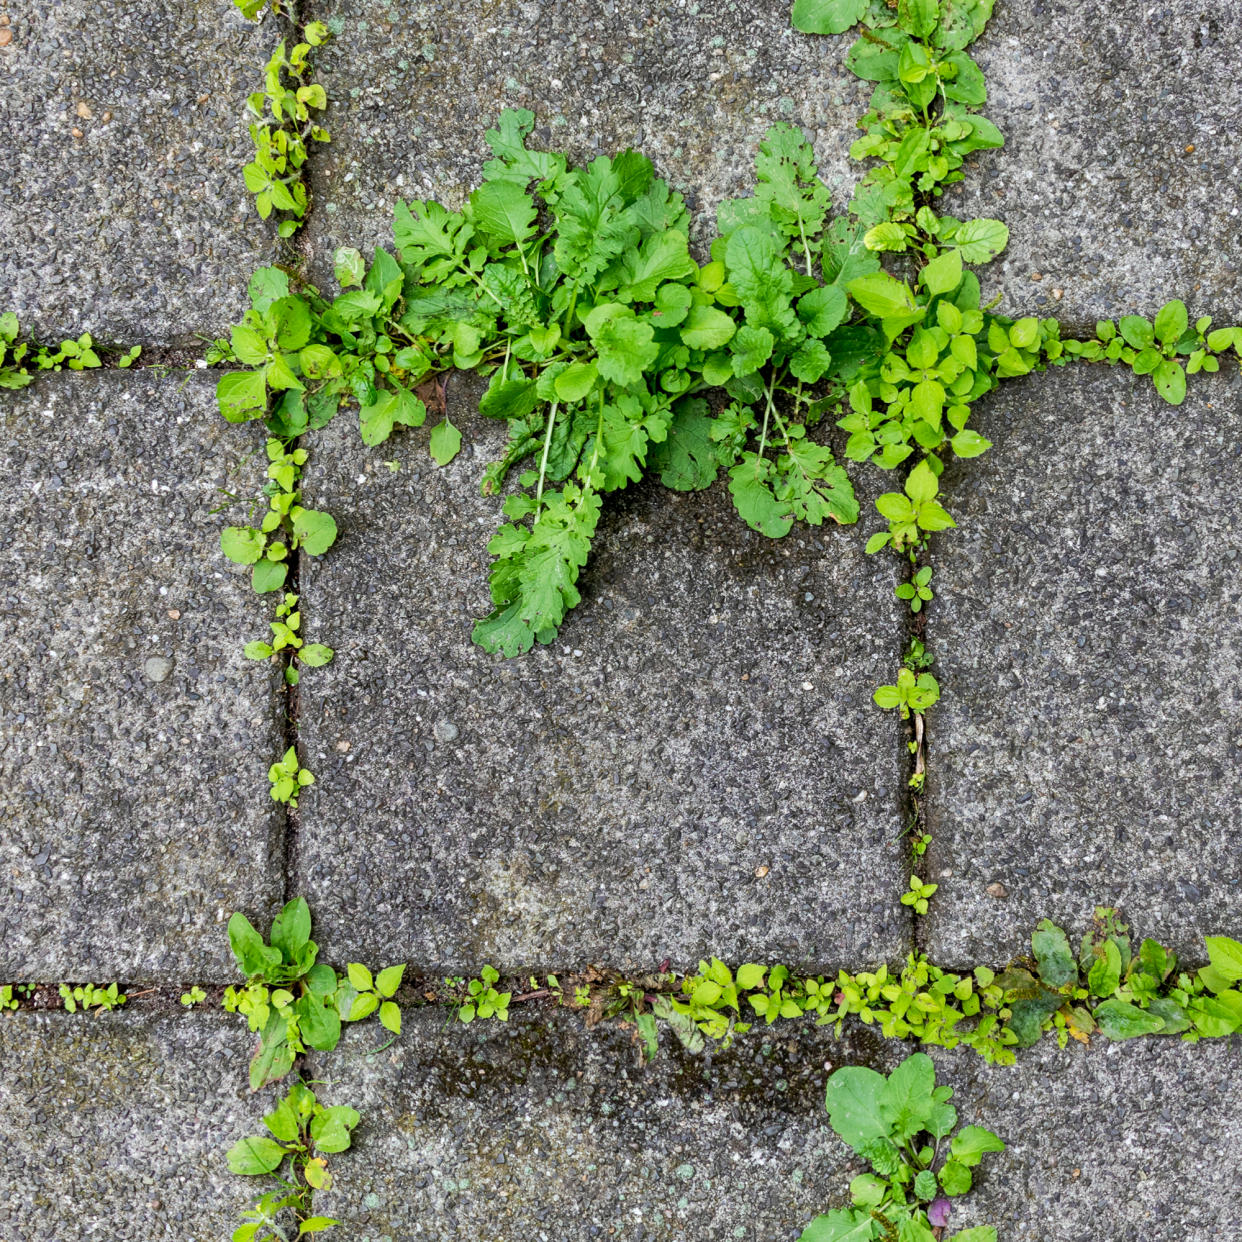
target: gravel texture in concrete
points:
(122, 208)
(694, 86)
(134, 736)
(1134, 1142)
(539, 1128)
(1120, 178)
(1087, 748)
(116, 1127)
(695, 766)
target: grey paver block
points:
(116, 1127)
(414, 88)
(1135, 1142)
(140, 230)
(133, 745)
(1087, 749)
(1099, 102)
(706, 713)
(539, 1128)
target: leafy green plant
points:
(899, 1124)
(195, 996)
(483, 999)
(303, 1133)
(910, 694)
(287, 638)
(286, 527)
(293, 1000)
(288, 778)
(284, 123)
(1168, 348)
(918, 894)
(1110, 988)
(917, 591)
(7, 999)
(91, 996)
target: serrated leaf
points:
(504, 211)
(625, 344)
(751, 488)
(254, 1156)
(827, 16)
(241, 396)
(980, 241)
(243, 545)
(706, 327)
(882, 295)
(687, 459)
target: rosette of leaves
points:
(901, 1125)
(302, 1133)
(575, 289)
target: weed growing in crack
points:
(901, 1125)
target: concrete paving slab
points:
(116, 1127)
(122, 208)
(1087, 750)
(1134, 1142)
(540, 1129)
(134, 736)
(1120, 176)
(693, 85)
(694, 767)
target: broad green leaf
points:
(1105, 973)
(922, 484)
(1136, 331)
(445, 437)
(662, 257)
(390, 1017)
(1172, 321)
(688, 459)
(944, 273)
(841, 1225)
(1226, 957)
(315, 531)
(758, 507)
(883, 296)
(980, 241)
(855, 1101)
(760, 279)
(969, 443)
(625, 344)
(706, 327)
(1170, 381)
(362, 1006)
(907, 1098)
(827, 16)
(1120, 1019)
(255, 1155)
(291, 928)
(360, 976)
(823, 309)
(320, 1024)
(316, 655)
(504, 211)
(978, 1233)
(241, 395)
(253, 955)
(1052, 951)
(243, 545)
(267, 576)
(971, 1143)
(389, 980)
(576, 381)
(267, 285)
(919, 17)
(317, 1224)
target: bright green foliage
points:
(917, 591)
(294, 1001)
(286, 527)
(1122, 993)
(195, 996)
(91, 996)
(484, 1001)
(1168, 349)
(283, 124)
(911, 693)
(302, 1133)
(916, 896)
(16, 356)
(900, 1124)
(288, 778)
(286, 638)
(7, 999)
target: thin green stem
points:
(543, 461)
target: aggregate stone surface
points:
(116, 1127)
(1087, 749)
(1120, 179)
(122, 208)
(1133, 1142)
(695, 766)
(134, 736)
(539, 1128)
(694, 86)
